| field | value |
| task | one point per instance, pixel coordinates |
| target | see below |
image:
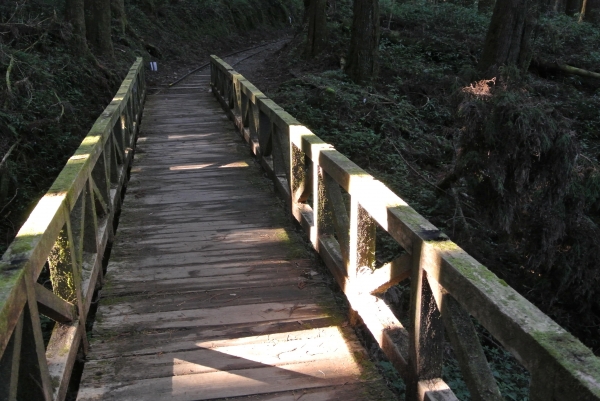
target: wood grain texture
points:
(208, 293)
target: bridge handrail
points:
(68, 232)
(447, 284)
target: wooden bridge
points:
(206, 293)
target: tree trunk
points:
(118, 11)
(485, 5)
(573, 7)
(75, 14)
(317, 27)
(593, 11)
(557, 6)
(508, 38)
(98, 22)
(362, 60)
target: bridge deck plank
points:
(202, 297)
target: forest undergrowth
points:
(507, 166)
(50, 96)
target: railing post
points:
(362, 240)
(426, 332)
(34, 377)
(9, 364)
(265, 134)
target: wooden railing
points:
(67, 232)
(447, 285)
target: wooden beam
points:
(9, 365)
(388, 275)
(345, 172)
(65, 337)
(426, 347)
(435, 390)
(341, 222)
(472, 361)
(53, 306)
(34, 378)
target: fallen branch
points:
(10, 201)
(60, 103)
(569, 69)
(8, 71)
(10, 150)
(578, 71)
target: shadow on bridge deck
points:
(207, 294)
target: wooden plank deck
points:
(208, 294)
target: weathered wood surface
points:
(299, 163)
(207, 293)
(68, 230)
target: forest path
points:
(208, 292)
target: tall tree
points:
(573, 7)
(508, 38)
(362, 65)
(557, 6)
(98, 24)
(118, 12)
(592, 13)
(75, 14)
(317, 26)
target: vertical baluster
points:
(426, 332)
(300, 181)
(253, 123)
(90, 227)
(341, 221)
(245, 109)
(230, 93)
(101, 179)
(362, 240)
(279, 164)
(34, 378)
(135, 97)
(237, 97)
(541, 389)
(321, 205)
(77, 223)
(127, 125)
(9, 364)
(111, 157)
(66, 268)
(62, 260)
(265, 131)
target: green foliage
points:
(54, 96)
(522, 157)
(186, 23)
(561, 38)
(512, 378)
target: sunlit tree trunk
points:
(75, 14)
(317, 27)
(98, 23)
(508, 39)
(118, 12)
(362, 60)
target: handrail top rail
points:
(537, 341)
(34, 241)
